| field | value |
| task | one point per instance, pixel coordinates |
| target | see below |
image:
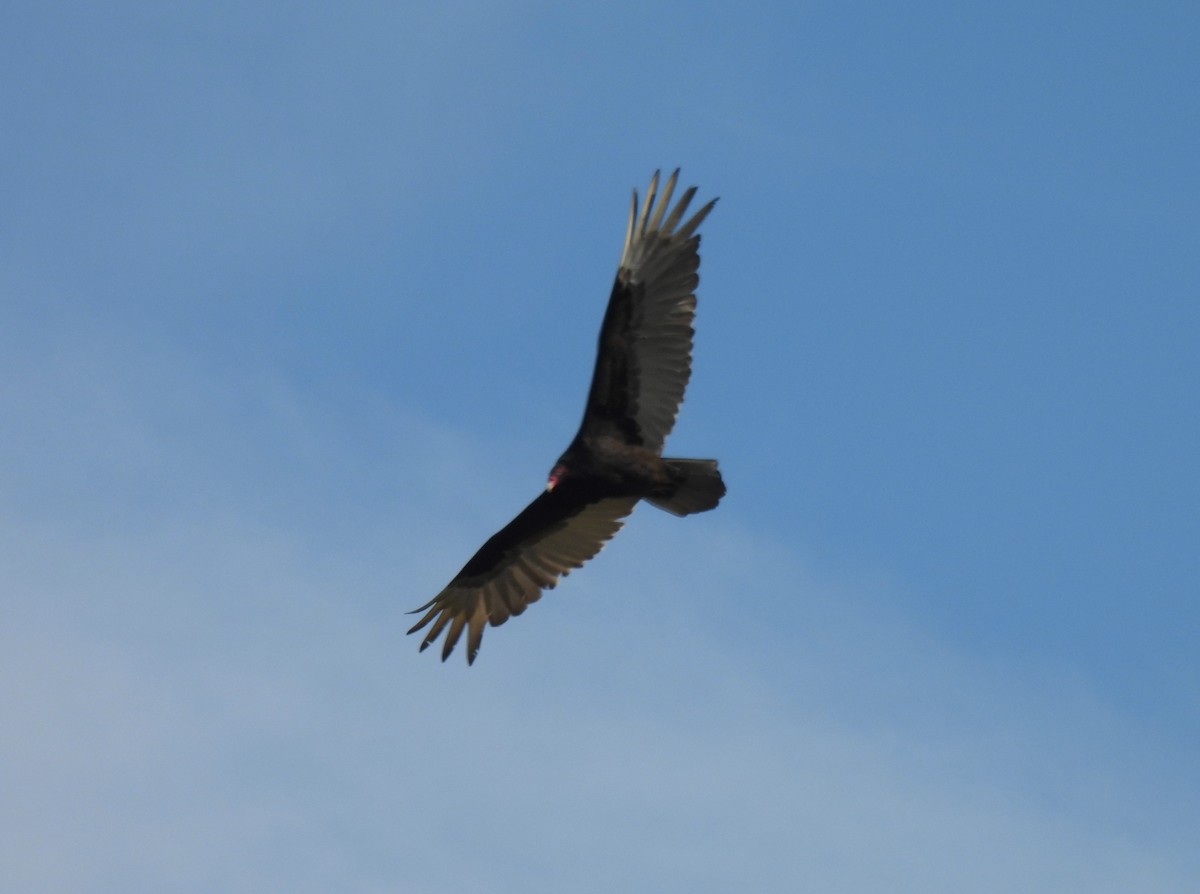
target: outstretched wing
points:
(645, 354)
(557, 532)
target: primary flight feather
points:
(643, 364)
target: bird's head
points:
(556, 475)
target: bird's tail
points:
(698, 487)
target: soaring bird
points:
(643, 364)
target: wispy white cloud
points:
(214, 691)
(247, 257)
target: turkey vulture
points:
(642, 367)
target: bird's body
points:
(643, 363)
(610, 462)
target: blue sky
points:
(297, 307)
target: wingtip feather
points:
(452, 635)
(629, 228)
(696, 219)
(651, 192)
(664, 201)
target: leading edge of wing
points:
(644, 355)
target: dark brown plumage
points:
(642, 368)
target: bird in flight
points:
(643, 364)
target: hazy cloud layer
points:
(197, 699)
(297, 307)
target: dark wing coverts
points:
(642, 368)
(645, 354)
(557, 532)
